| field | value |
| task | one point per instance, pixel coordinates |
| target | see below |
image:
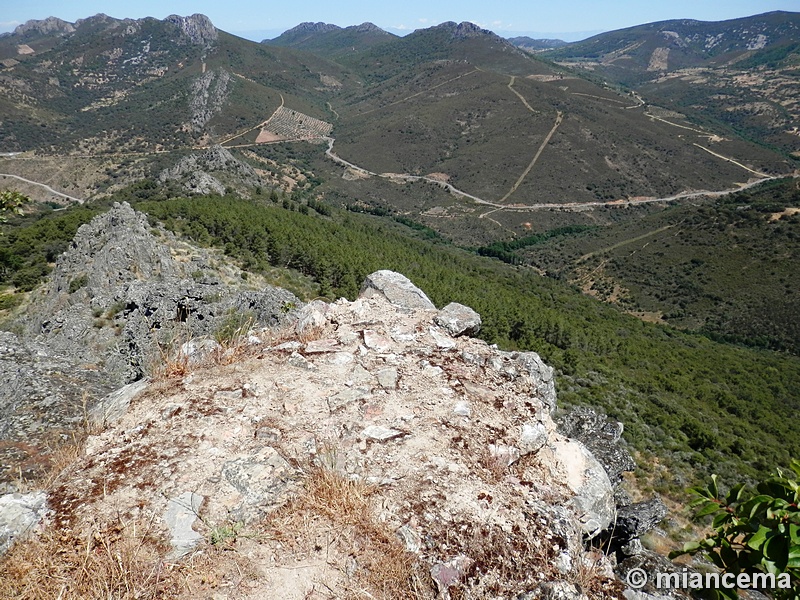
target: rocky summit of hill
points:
(369, 445)
(120, 300)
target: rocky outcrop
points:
(454, 437)
(117, 298)
(602, 436)
(116, 305)
(208, 95)
(48, 26)
(195, 172)
(197, 29)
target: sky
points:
(570, 20)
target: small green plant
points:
(116, 308)
(754, 531)
(224, 535)
(78, 283)
(8, 301)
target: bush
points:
(754, 531)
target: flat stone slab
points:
(180, 515)
(380, 433)
(19, 514)
(395, 288)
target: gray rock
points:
(652, 564)
(395, 288)
(632, 522)
(443, 342)
(411, 539)
(462, 409)
(504, 454)
(458, 319)
(311, 317)
(541, 376)
(593, 500)
(635, 520)
(532, 438)
(19, 515)
(346, 396)
(602, 436)
(198, 350)
(380, 433)
(559, 590)
(299, 361)
(114, 406)
(264, 480)
(43, 396)
(179, 516)
(387, 378)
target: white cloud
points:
(401, 27)
(423, 21)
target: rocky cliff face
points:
(197, 28)
(50, 25)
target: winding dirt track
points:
(45, 186)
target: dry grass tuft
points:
(384, 567)
(117, 560)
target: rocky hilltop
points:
(367, 445)
(120, 300)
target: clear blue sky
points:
(257, 19)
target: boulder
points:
(593, 499)
(602, 436)
(19, 514)
(395, 288)
(458, 319)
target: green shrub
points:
(78, 283)
(754, 531)
(8, 301)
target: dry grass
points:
(385, 569)
(118, 560)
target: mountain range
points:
(627, 207)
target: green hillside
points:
(728, 267)
(696, 405)
(739, 75)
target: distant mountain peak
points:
(311, 27)
(198, 28)
(50, 25)
(367, 28)
(465, 29)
